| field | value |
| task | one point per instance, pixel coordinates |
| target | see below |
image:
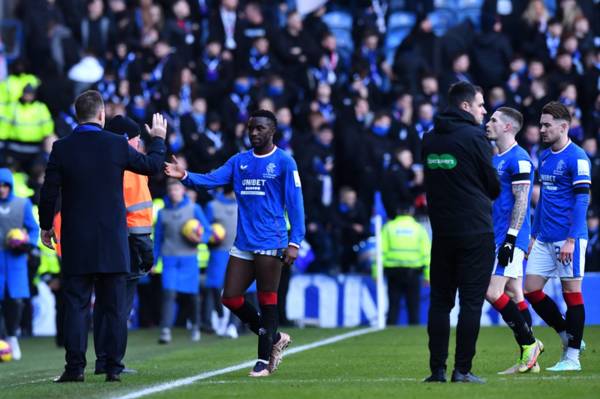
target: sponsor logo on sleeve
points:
(524, 167)
(583, 167)
(297, 179)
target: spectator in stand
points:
(530, 141)
(491, 54)
(224, 26)
(461, 63)
(182, 32)
(424, 122)
(296, 50)
(253, 26)
(352, 222)
(96, 32)
(429, 91)
(260, 62)
(236, 106)
(214, 72)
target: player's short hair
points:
(514, 115)
(263, 113)
(557, 110)
(88, 104)
(461, 92)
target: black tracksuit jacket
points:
(460, 179)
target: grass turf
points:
(389, 363)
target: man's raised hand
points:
(159, 126)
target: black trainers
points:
(457, 376)
(436, 376)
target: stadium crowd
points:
(354, 85)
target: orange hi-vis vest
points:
(56, 224)
(138, 203)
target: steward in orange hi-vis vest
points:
(138, 203)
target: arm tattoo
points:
(521, 193)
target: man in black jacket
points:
(461, 183)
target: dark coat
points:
(460, 179)
(87, 168)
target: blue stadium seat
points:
(469, 9)
(338, 20)
(11, 31)
(398, 27)
(468, 4)
(474, 14)
(440, 4)
(551, 6)
(397, 5)
(441, 20)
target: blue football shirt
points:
(560, 173)
(266, 187)
(514, 166)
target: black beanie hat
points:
(124, 126)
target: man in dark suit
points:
(87, 168)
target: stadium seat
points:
(399, 26)
(11, 34)
(338, 20)
(469, 9)
(441, 20)
(397, 5)
(551, 6)
(449, 4)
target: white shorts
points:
(514, 269)
(544, 260)
(249, 255)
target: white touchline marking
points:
(28, 382)
(209, 374)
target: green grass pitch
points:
(383, 364)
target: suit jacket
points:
(87, 168)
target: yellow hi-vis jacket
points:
(31, 123)
(11, 89)
(405, 243)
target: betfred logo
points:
(441, 161)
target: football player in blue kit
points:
(510, 213)
(559, 233)
(267, 185)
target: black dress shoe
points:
(457, 376)
(99, 371)
(113, 378)
(68, 377)
(436, 376)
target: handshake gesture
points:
(175, 169)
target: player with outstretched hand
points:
(267, 185)
(559, 233)
(512, 227)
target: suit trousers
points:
(101, 328)
(462, 264)
(110, 296)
